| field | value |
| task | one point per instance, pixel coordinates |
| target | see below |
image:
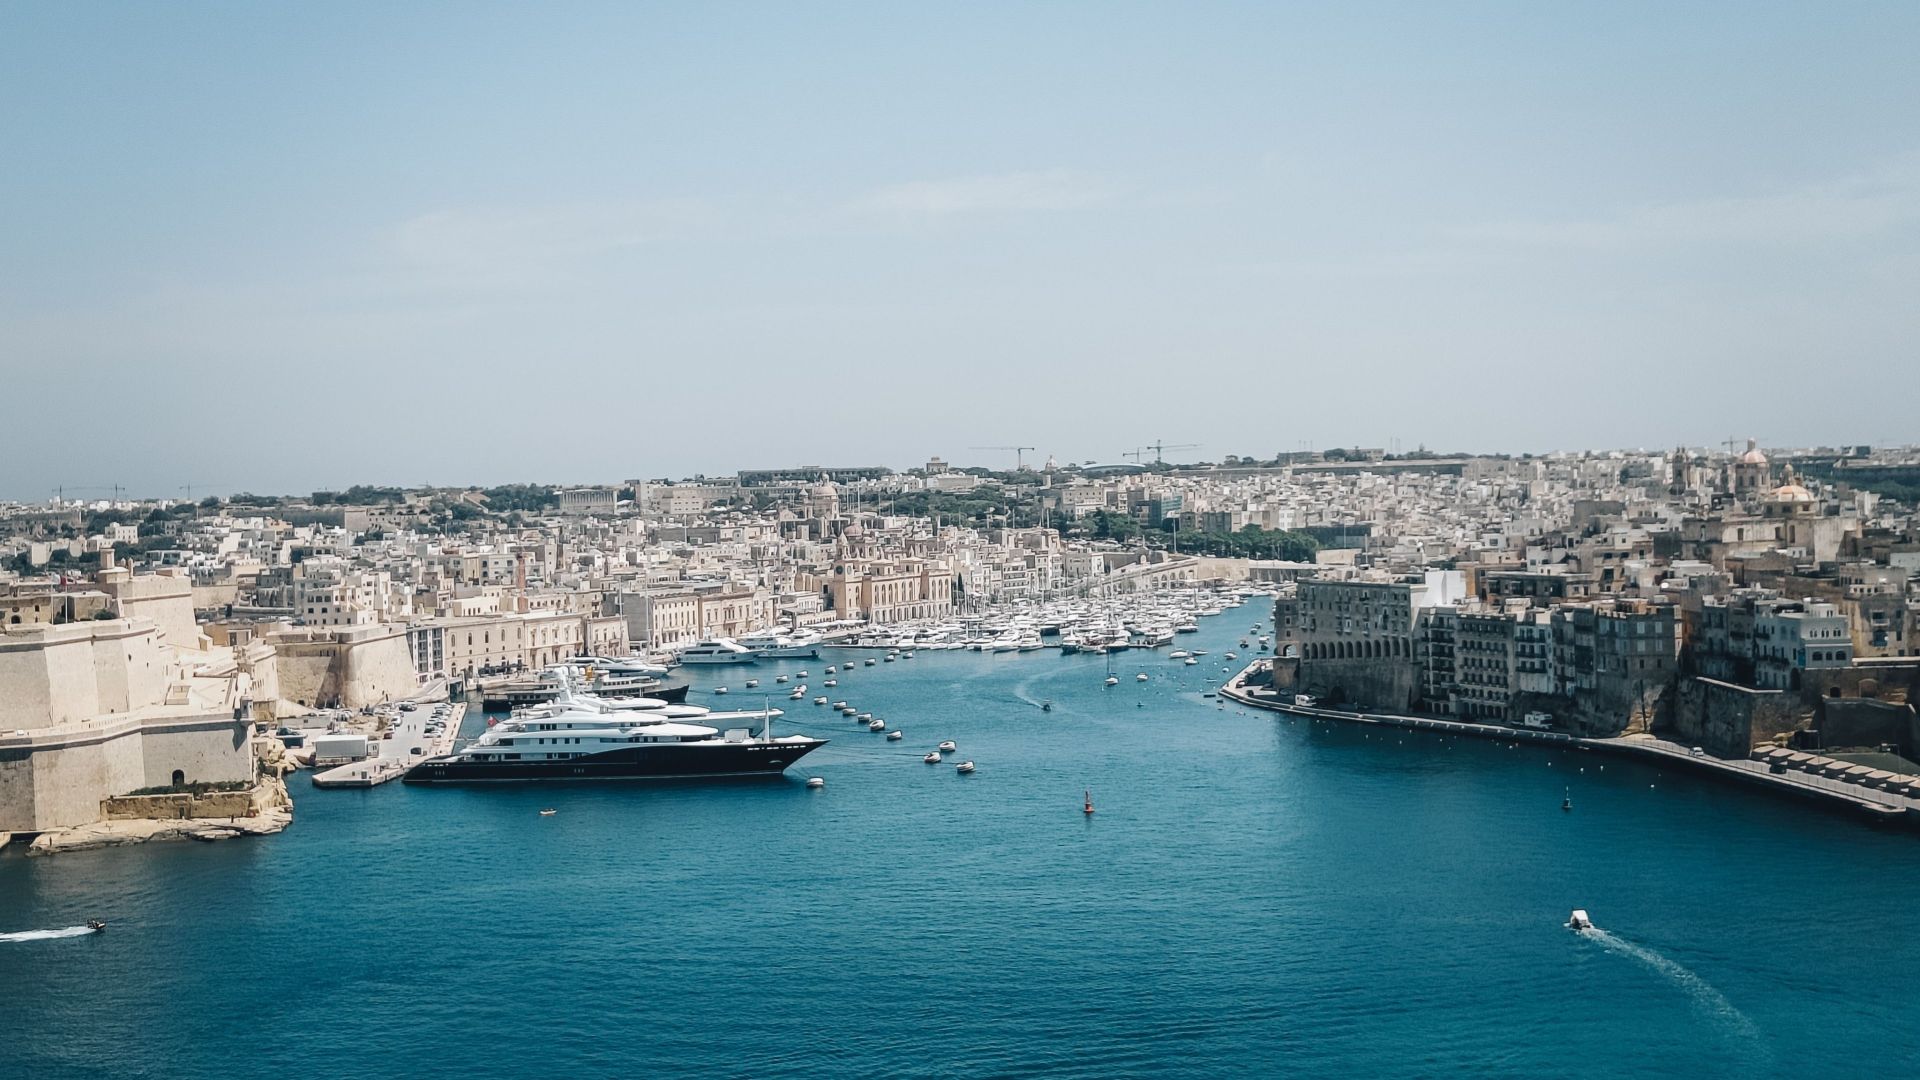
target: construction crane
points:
(1019, 452)
(1158, 449)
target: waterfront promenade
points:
(1899, 806)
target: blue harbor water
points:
(1253, 896)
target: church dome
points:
(1753, 456)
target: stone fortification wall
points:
(1383, 684)
(214, 804)
(344, 668)
(1728, 720)
(59, 777)
(60, 674)
(1865, 722)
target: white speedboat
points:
(963, 768)
(876, 724)
(1142, 677)
(1113, 680)
(948, 747)
(820, 700)
(1579, 921)
(932, 758)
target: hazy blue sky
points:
(278, 247)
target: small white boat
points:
(876, 725)
(831, 669)
(1142, 677)
(821, 700)
(830, 682)
(779, 678)
(891, 658)
(932, 758)
(1113, 680)
(719, 689)
(894, 734)
(871, 661)
(839, 704)
(752, 683)
(1578, 920)
(948, 747)
(963, 768)
(1177, 654)
(548, 812)
(1189, 661)
(816, 782)
(801, 675)
(908, 655)
(864, 716)
(1233, 656)
(798, 694)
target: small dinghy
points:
(876, 725)
(548, 812)
(948, 747)
(821, 700)
(963, 768)
(932, 758)
(1113, 680)
(1142, 677)
(894, 734)
(816, 782)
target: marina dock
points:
(397, 754)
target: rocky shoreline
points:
(271, 810)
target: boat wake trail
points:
(46, 935)
(1705, 997)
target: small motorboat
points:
(779, 678)
(719, 689)
(864, 716)
(891, 658)
(1177, 654)
(798, 694)
(1142, 677)
(1046, 706)
(831, 669)
(876, 725)
(839, 704)
(548, 812)
(1244, 643)
(1088, 809)
(95, 926)
(1578, 920)
(871, 661)
(816, 782)
(752, 683)
(1113, 680)
(894, 734)
(1189, 661)
(963, 768)
(932, 758)
(1233, 656)
(908, 655)
(821, 700)
(948, 747)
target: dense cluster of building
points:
(1715, 593)
(1716, 598)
